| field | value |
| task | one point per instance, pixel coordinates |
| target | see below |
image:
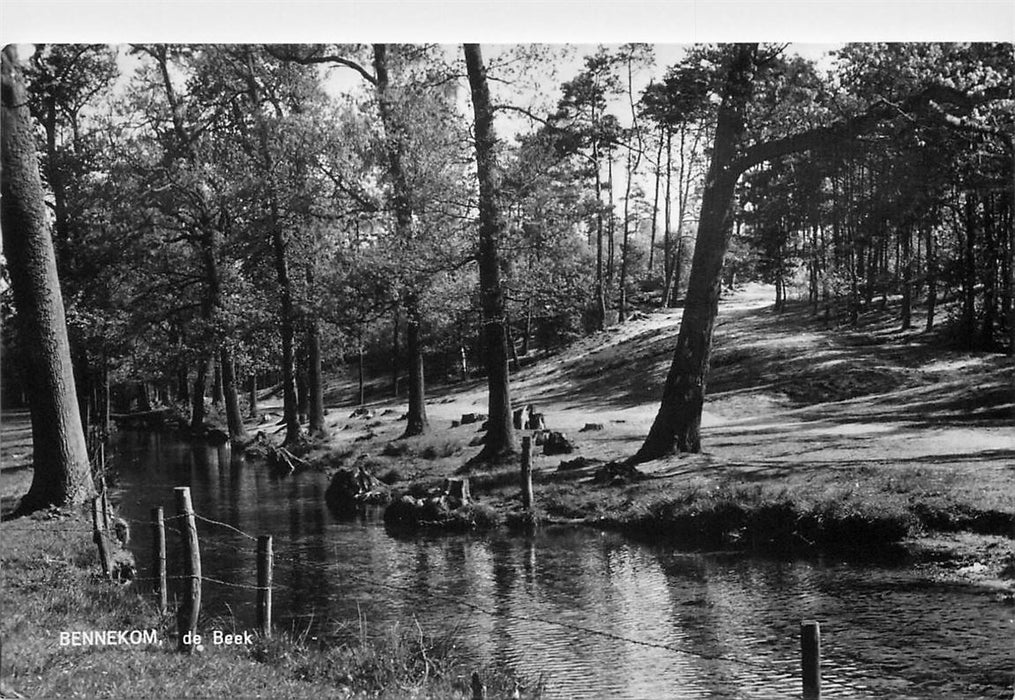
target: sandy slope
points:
(785, 397)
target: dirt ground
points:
(786, 398)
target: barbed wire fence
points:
(107, 529)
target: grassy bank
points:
(860, 508)
(50, 585)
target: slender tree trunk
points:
(931, 277)
(989, 277)
(600, 290)
(252, 389)
(396, 354)
(683, 188)
(655, 200)
(907, 278)
(667, 235)
(361, 377)
(1008, 269)
(677, 425)
(216, 384)
(302, 382)
(969, 270)
(230, 396)
(500, 428)
(107, 422)
(632, 167)
(182, 383)
(62, 474)
(315, 377)
(527, 332)
(279, 245)
(611, 229)
(197, 410)
(678, 270)
(513, 365)
(144, 402)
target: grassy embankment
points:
(814, 438)
(50, 583)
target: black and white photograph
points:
(448, 350)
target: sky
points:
(494, 21)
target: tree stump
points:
(535, 422)
(557, 444)
(457, 491)
(522, 416)
(591, 426)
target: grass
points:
(50, 585)
(860, 509)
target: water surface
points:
(595, 614)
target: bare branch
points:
(290, 53)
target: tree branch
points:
(289, 52)
(929, 99)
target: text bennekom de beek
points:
(87, 638)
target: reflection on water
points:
(596, 614)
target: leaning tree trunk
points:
(61, 471)
(677, 425)
(500, 428)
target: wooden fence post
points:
(810, 655)
(159, 559)
(264, 577)
(190, 608)
(99, 536)
(106, 515)
(527, 472)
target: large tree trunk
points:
(234, 420)
(678, 423)
(416, 421)
(61, 470)
(500, 428)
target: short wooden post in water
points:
(99, 536)
(159, 559)
(527, 472)
(190, 608)
(478, 689)
(810, 655)
(264, 576)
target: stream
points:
(591, 614)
